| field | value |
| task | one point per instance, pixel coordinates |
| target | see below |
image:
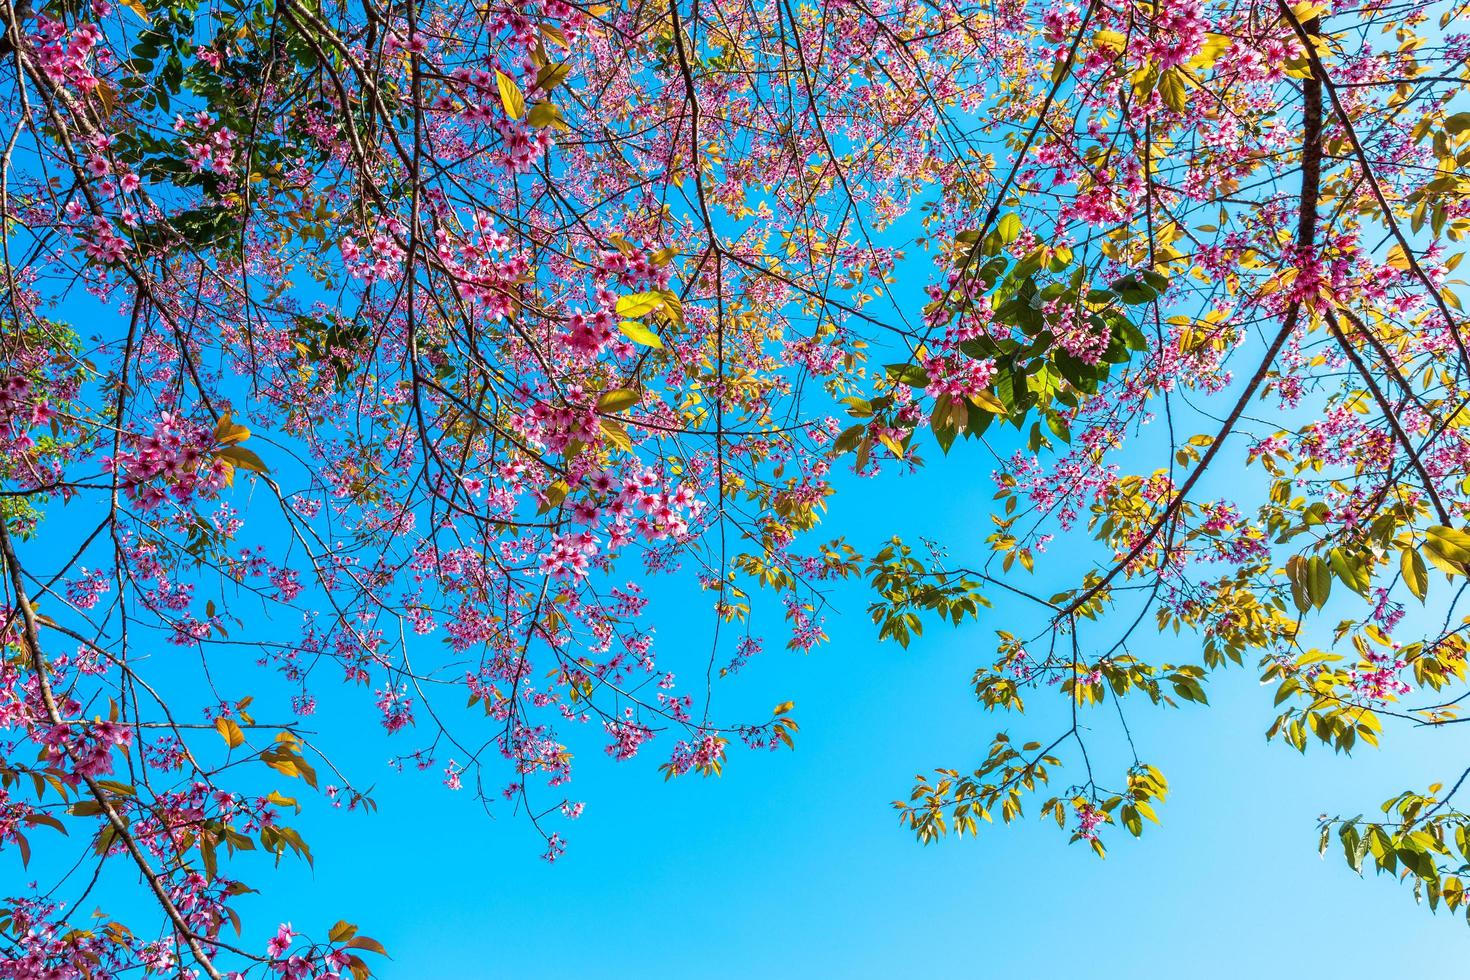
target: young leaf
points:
(640, 334)
(511, 96)
(617, 400)
(230, 732)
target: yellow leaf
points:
(989, 402)
(242, 458)
(1171, 87)
(638, 304)
(1298, 68)
(136, 7)
(230, 732)
(552, 75)
(1209, 52)
(640, 334)
(511, 96)
(673, 307)
(1304, 12)
(227, 432)
(544, 114)
(279, 799)
(615, 434)
(1110, 41)
(1144, 79)
(617, 400)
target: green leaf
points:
(848, 440)
(1132, 291)
(909, 374)
(1157, 281)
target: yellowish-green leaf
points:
(511, 96)
(617, 400)
(1144, 79)
(640, 334)
(1416, 574)
(1009, 228)
(1319, 581)
(987, 401)
(544, 114)
(1449, 542)
(638, 304)
(552, 75)
(1171, 87)
(1110, 41)
(614, 432)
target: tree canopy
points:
(397, 347)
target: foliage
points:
(434, 329)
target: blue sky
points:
(794, 863)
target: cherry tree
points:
(392, 353)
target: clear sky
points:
(793, 863)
